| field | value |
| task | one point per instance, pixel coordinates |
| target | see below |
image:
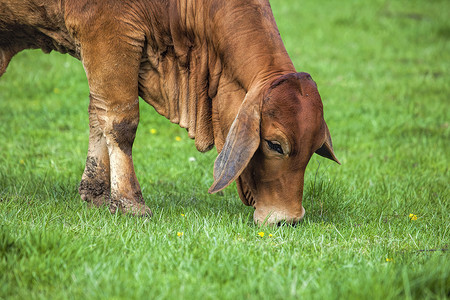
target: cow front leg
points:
(95, 183)
(120, 131)
(112, 63)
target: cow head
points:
(269, 145)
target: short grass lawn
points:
(376, 227)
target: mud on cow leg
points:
(94, 186)
(109, 177)
(95, 182)
(126, 193)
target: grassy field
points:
(376, 227)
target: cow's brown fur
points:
(217, 68)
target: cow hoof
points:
(94, 194)
(131, 207)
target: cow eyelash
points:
(274, 146)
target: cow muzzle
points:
(270, 208)
(271, 215)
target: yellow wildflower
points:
(153, 131)
(180, 233)
(261, 234)
(177, 138)
(412, 217)
(388, 259)
(182, 215)
(270, 235)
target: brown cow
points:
(217, 68)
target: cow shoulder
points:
(87, 19)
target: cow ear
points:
(327, 147)
(241, 143)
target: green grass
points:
(382, 68)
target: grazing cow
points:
(217, 68)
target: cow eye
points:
(275, 146)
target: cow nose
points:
(273, 216)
